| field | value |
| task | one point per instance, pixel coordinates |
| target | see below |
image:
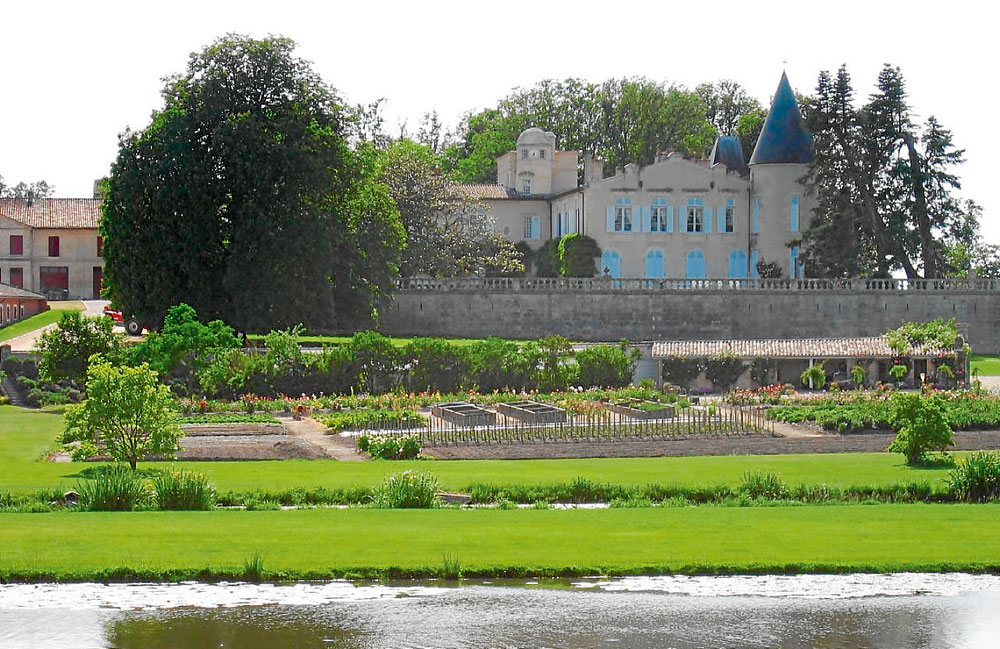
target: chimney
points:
(31, 197)
(593, 169)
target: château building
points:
(676, 218)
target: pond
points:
(849, 611)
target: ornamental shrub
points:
(577, 255)
(436, 364)
(65, 351)
(817, 374)
(763, 484)
(920, 426)
(976, 478)
(377, 361)
(858, 375)
(178, 489)
(607, 366)
(407, 490)
(113, 488)
(680, 370)
(497, 364)
(898, 371)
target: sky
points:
(76, 74)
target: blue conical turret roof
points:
(783, 139)
(727, 151)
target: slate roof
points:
(728, 151)
(53, 213)
(819, 348)
(6, 290)
(783, 138)
(482, 191)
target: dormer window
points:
(524, 154)
(541, 153)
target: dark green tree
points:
(883, 185)
(243, 199)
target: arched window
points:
(696, 265)
(611, 263)
(738, 264)
(655, 267)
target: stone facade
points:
(676, 218)
(52, 246)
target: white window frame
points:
(526, 186)
(694, 216)
(729, 222)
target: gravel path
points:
(333, 446)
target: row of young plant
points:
(962, 410)
(974, 479)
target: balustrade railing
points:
(601, 284)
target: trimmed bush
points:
(116, 488)
(436, 364)
(764, 485)
(607, 366)
(179, 489)
(976, 478)
(407, 490)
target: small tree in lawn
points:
(126, 414)
(920, 426)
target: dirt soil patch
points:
(244, 441)
(700, 445)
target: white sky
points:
(75, 74)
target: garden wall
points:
(604, 309)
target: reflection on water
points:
(864, 612)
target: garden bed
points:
(463, 413)
(532, 412)
(642, 409)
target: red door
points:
(98, 281)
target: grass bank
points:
(986, 365)
(25, 435)
(41, 320)
(408, 543)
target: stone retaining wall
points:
(645, 310)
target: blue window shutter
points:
(670, 218)
(794, 207)
(707, 219)
(536, 227)
(753, 263)
(647, 219)
(611, 218)
(720, 215)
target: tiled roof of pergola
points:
(815, 348)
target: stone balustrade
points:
(609, 284)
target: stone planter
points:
(463, 413)
(632, 409)
(532, 412)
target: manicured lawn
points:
(25, 435)
(987, 365)
(334, 542)
(38, 321)
(341, 340)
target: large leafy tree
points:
(883, 185)
(243, 199)
(621, 120)
(448, 233)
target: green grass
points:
(317, 543)
(987, 365)
(40, 320)
(25, 435)
(342, 340)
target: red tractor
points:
(133, 325)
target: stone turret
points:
(778, 165)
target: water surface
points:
(849, 611)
